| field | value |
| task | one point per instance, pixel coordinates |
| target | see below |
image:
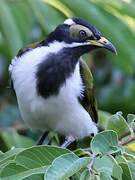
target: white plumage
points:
(61, 113)
(69, 22)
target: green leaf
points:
(10, 29)
(118, 124)
(35, 177)
(130, 156)
(132, 169)
(30, 161)
(11, 138)
(120, 158)
(130, 118)
(65, 166)
(47, 16)
(117, 172)
(126, 171)
(103, 118)
(39, 155)
(105, 142)
(5, 158)
(96, 177)
(123, 53)
(18, 10)
(104, 163)
(1, 153)
(85, 175)
(60, 6)
(17, 172)
(103, 17)
(105, 176)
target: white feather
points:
(69, 22)
(62, 113)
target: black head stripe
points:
(90, 26)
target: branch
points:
(126, 134)
(87, 149)
(127, 141)
(93, 156)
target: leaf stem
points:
(93, 156)
(127, 141)
(87, 149)
(113, 159)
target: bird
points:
(54, 86)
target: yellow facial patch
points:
(101, 42)
(76, 29)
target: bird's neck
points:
(53, 71)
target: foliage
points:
(107, 157)
(106, 14)
(26, 21)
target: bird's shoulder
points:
(88, 101)
(25, 49)
(21, 52)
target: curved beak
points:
(104, 43)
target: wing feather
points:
(88, 101)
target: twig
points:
(126, 134)
(87, 149)
(127, 141)
(93, 156)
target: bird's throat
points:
(53, 72)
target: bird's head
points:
(79, 35)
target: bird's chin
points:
(80, 50)
(90, 48)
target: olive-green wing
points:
(88, 101)
(29, 47)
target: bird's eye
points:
(82, 33)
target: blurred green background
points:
(25, 21)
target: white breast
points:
(62, 113)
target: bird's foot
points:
(93, 156)
(68, 141)
(42, 138)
